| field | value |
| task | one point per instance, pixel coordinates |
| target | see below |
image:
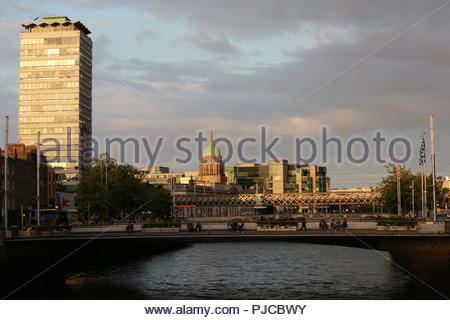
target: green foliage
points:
(388, 189)
(268, 222)
(396, 221)
(60, 228)
(164, 224)
(108, 186)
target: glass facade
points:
(279, 176)
(55, 95)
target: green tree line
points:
(108, 188)
(388, 189)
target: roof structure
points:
(56, 21)
(211, 150)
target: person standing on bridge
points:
(241, 228)
(303, 224)
(344, 224)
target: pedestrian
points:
(198, 227)
(303, 224)
(241, 228)
(344, 224)
(333, 225)
(190, 227)
(323, 225)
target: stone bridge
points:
(426, 256)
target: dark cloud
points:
(220, 45)
(393, 89)
(258, 18)
(407, 77)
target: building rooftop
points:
(60, 19)
(56, 21)
(211, 150)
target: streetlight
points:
(5, 188)
(107, 158)
(38, 178)
(412, 195)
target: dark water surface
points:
(240, 270)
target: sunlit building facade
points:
(211, 169)
(55, 95)
(279, 176)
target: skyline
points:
(204, 73)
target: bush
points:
(267, 222)
(163, 224)
(396, 221)
(60, 228)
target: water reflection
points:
(237, 270)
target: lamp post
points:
(107, 159)
(38, 179)
(412, 193)
(5, 200)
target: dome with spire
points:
(211, 168)
(211, 150)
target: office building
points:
(279, 176)
(55, 96)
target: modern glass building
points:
(55, 96)
(279, 176)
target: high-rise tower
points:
(55, 96)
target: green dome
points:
(211, 150)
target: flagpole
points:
(399, 201)
(423, 180)
(433, 164)
(425, 188)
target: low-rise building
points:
(22, 176)
(361, 189)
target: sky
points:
(173, 68)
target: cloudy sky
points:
(171, 68)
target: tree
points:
(108, 189)
(388, 189)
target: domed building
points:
(211, 169)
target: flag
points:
(398, 171)
(422, 157)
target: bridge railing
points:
(279, 199)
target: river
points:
(242, 270)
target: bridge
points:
(289, 200)
(426, 256)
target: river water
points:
(240, 270)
